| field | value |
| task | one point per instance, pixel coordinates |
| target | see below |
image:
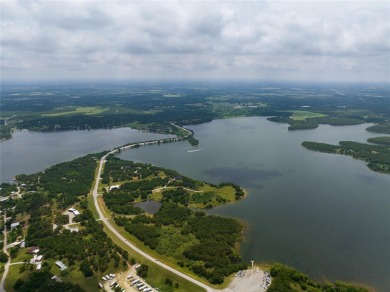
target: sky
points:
(222, 40)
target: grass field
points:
(13, 275)
(84, 110)
(22, 256)
(226, 192)
(77, 277)
(211, 196)
(303, 115)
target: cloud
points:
(259, 40)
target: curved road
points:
(132, 246)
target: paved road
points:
(6, 267)
(132, 246)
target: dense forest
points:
(5, 132)
(376, 156)
(380, 140)
(64, 182)
(201, 243)
(46, 197)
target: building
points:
(61, 265)
(56, 278)
(74, 211)
(14, 225)
(33, 250)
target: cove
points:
(326, 215)
(29, 152)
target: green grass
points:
(22, 256)
(209, 196)
(77, 277)
(227, 193)
(173, 243)
(13, 275)
(84, 110)
(303, 115)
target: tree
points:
(3, 257)
(142, 271)
(86, 269)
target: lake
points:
(326, 215)
(29, 152)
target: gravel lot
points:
(250, 282)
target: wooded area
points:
(376, 156)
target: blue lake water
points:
(29, 152)
(327, 215)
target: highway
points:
(129, 244)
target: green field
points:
(83, 110)
(303, 115)
(22, 256)
(13, 275)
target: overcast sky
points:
(261, 40)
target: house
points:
(73, 229)
(39, 266)
(74, 211)
(33, 249)
(14, 225)
(3, 199)
(56, 278)
(61, 265)
(38, 258)
(114, 187)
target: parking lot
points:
(249, 281)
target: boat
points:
(196, 150)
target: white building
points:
(61, 265)
(74, 211)
(14, 225)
